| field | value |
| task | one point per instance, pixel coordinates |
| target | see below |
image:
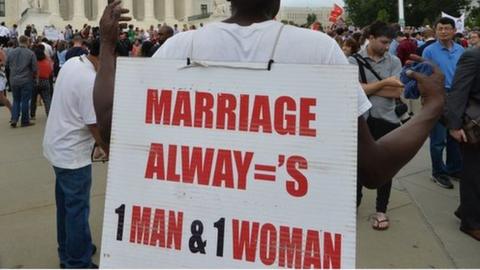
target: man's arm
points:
(390, 92)
(98, 138)
(384, 88)
(379, 161)
(110, 25)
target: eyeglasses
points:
(444, 29)
(98, 155)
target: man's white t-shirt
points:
(68, 143)
(226, 42)
(4, 31)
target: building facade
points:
(299, 15)
(78, 12)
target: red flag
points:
(336, 12)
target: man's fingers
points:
(464, 136)
(125, 19)
(416, 75)
(125, 10)
(114, 3)
(123, 25)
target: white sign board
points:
(51, 33)
(459, 22)
(215, 167)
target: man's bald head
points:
(165, 32)
(269, 8)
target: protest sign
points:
(219, 167)
(51, 33)
(459, 22)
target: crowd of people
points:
(30, 63)
(77, 94)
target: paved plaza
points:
(423, 234)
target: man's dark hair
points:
(357, 36)
(445, 20)
(396, 27)
(39, 51)
(339, 31)
(381, 29)
(94, 47)
(77, 38)
(267, 7)
(146, 47)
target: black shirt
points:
(75, 51)
(422, 48)
(124, 47)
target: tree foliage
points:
(417, 12)
(311, 18)
(473, 19)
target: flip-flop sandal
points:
(379, 222)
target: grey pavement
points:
(423, 234)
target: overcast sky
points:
(312, 3)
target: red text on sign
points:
(165, 230)
(210, 167)
(259, 113)
(219, 168)
(285, 246)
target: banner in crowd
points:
(459, 22)
(222, 167)
(51, 33)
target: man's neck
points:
(373, 55)
(446, 43)
(246, 20)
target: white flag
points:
(459, 22)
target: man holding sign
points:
(378, 161)
(230, 160)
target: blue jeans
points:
(72, 195)
(439, 140)
(22, 94)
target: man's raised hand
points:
(112, 21)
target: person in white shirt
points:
(4, 34)
(70, 135)
(248, 36)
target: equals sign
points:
(265, 172)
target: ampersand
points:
(196, 244)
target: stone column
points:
(128, 4)
(54, 7)
(102, 4)
(188, 9)
(149, 11)
(79, 11)
(169, 11)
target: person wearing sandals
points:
(379, 74)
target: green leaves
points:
(417, 12)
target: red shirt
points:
(405, 48)
(45, 69)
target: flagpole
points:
(401, 13)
